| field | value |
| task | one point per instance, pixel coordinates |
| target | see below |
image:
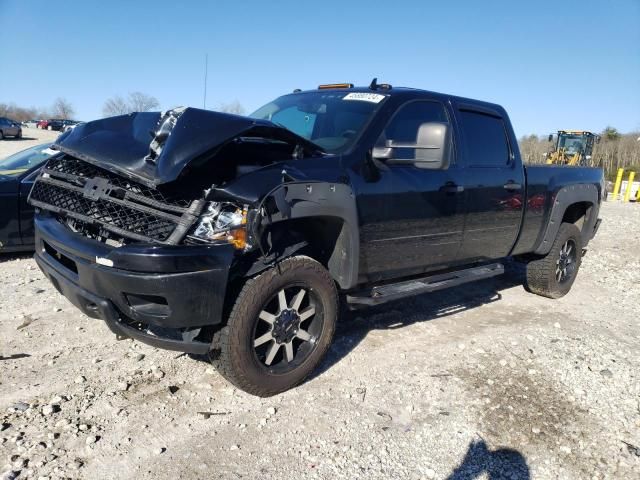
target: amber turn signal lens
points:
(238, 238)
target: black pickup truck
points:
(242, 237)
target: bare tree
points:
(136, 102)
(141, 102)
(16, 113)
(234, 107)
(62, 108)
(115, 106)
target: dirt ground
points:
(30, 138)
(484, 381)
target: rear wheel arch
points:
(578, 214)
(572, 204)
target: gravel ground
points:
(483, 381)
(30, 138)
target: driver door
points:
(412, 218)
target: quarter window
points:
(485, 139)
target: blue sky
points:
(569, 64)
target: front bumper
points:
(160, 295)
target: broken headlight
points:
(222, 221)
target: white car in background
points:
(69, 125)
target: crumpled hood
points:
(154, 148)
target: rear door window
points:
(485, 139)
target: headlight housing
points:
(222, 221)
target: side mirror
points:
(382, 153)
(429, 151)
(551, 137)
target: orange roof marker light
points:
(335, 85)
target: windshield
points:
(20, 162)
(571, 143)
(332, 120)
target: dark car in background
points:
(51, 124)
(55, 124)
(17, 173)
(9, 128)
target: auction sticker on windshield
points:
(364, 97)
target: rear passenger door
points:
(493, 182)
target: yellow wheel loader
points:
(572, 147)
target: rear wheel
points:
(279, 329)
(553, 275)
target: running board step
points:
(394, 291)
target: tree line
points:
(61, 108)
(117, 105)
(615, 150)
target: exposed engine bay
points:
(106, 184)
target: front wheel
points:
(553, 275)
(279, 329)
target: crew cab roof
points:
(407, 93)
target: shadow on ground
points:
(503, 463)
(354, 326)
(14, 139)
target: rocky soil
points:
(485, 381)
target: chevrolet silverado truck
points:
(241, 238)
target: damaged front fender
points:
(316, 200)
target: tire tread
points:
(228, 339)
(540, 272)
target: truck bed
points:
(542, 185)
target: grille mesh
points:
(73, 166)
(131, 219)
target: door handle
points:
(511, 185)
(452, 188)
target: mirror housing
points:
(551, 137)
(382, 153)
(430, 149)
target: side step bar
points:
(394, 291)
